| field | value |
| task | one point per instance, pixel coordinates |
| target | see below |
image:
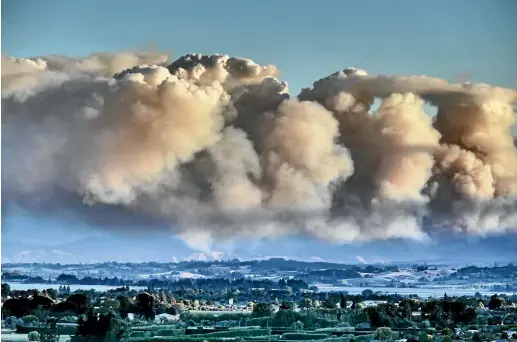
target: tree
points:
(367, 293)
(6, 290)
(41, 301)
(377, 316)
(284, 318)
(64, 307)
(145, 305)
(102, 327)
(342, 303)
(405, 306)
(466, 316)
(286, 305)
(51, 293)
(110, 305)
(173, 310)
(163, 297)
(476, 337)
(306, 303)
(125, 306)
(495, 302)
(81, 302)
(262, 310)
(354, 302)
(329, 304)
(172, 300)
(18, 307)
(67, 278)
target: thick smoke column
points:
(302, 157)
(478, 159)
(408, 142)
(215, 147)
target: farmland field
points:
(420, 291)
(213, 313)
(23, 337)
(98, 288)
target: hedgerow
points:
(303, 336)
(236, 333)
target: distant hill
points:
(163, 248)
(96, 248)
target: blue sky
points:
(306, 40)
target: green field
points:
(23, 337)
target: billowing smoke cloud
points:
(19, 73)
(214, 147)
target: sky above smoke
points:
(215, 148)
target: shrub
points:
(33, 336)
(139, 322)
(447, 332)
(364, 338)
(298, 325)
(244, 328)
(383, 334)
(261, 321)
(137, 334)
(69, 319)
(181, 339)
(424, 324)
(170, 332)
(11, 321)
(62, 330)
(364, 326)
(212, 316)
(423, 337)
(237, 333)
(344, 338)
(30, 320)
(155, 327)
(337, 329)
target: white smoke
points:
(214, 146)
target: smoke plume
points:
(215, 148)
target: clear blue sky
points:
(306, 39)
